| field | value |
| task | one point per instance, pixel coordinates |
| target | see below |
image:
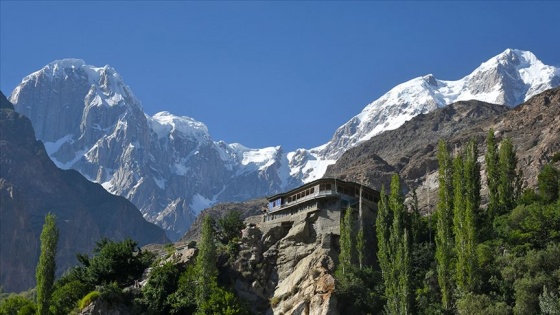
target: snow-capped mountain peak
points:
(165, 123)
(171, 168)
(509, 78)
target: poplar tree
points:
(399, 240)
(492, 175)
(382, 224)
(459, 222)
(394, 249)
(345, 256)
(509, 179)
(361, 244)
(205, 268)
(444, 237)
(46, 266)
(471, 212)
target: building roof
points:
(318, 181)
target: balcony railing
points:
(319, 194)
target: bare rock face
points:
(285, 270)
(101, 307)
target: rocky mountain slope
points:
(31, 186)
(166, 165)
(171, 168)
(411, 150)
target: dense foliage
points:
(113, 273)
(499, 258)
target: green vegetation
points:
(444, 236)
(499, 258)
(88, 299)
(17, 304)
(394, 252)
(119, 262)
(113, 272)
(466, 182)
(346, 227)
(46, 266)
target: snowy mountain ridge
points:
(171, 168)
(509, 78)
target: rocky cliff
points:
(31, 186)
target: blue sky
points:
(271, 73)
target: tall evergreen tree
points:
(206, 269)
(46, 266)
(444, 237)
(492, 175)
(345, 256)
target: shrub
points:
(89, 298)
(66, 296)
(15, 304)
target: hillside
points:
(533, 126)
(32, 186)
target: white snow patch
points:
(199, 203)
(180, 169)
(160, 182)
(165, 123)
(53, 147)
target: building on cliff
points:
(324, 203)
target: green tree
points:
(46, 266)
(533, 226)
(382, 225)
(231, 225)
(549, 302)
(492, 175)
(120, 262)
(466, 181)
(549, 183)
(361, 244)
(400, 241)
(183, 300)
(444, 236)
(509, 187)
(206, 269)
(163, 282)
(359, 291)
(222, 302)
(67, 292)
(394, 249)
(16, 304)
(345, 256)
